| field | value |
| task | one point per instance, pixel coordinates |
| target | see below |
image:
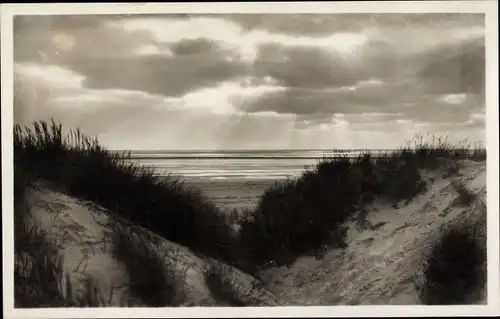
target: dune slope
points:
(381, 262)
(83, 232)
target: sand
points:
(231, 194)
(82, 231)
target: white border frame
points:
(488, 7)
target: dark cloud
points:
(304, 67)
(169, 76)
(106, 55)
(432, 109)
(316, 67)
(195, 46)
(455, 69)
(394, 101)
(325, 101)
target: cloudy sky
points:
(253, 81)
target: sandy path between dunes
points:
(378, 266)
(232, 194)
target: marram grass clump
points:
(454, 272)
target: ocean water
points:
(235, 165)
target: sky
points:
(259, 81)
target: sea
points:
(236, 165)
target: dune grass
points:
(149, 280)
(220, 286)
(83, 168)
(465, 196)
(37, 265)
(38, 272)
(297, 217)
(454, 272)
(293, 218)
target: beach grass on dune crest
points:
(299, 216)
(454, 272)
(83, 168)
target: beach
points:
(234, 178)
(233, 193)
(230, 179)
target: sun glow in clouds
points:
(64, 42)
(152, 50)
(455, 99)
(222, 98)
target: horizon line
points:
(255, 150)
(337, 150)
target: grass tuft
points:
(218, 282)
(145, 265)
(455, 270)
(465, 196)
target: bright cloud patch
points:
(57, 88)
(50, 75)
(151, 49)
(224, 97)
(372, 83)
(89, 99)
(230, 35)
(477, 118)
(63, 41)
(455, 99)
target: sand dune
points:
(379, 265)
(83, 233)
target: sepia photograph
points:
(192, 159)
